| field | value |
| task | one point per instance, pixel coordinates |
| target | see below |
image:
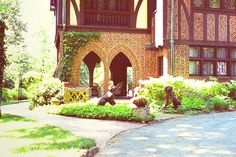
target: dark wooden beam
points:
(84, 28)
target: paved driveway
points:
(212, 135)
(100, 130)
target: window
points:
(208, 52)
(233, 53)
(212, 61)
(215, 4)
(199, 3)
(221, 68)
(194, 52)
(233, 68)
(221, 53)
(208, 68)
(194, 68)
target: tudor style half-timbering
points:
(204, 37)
(125, 27)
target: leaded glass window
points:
(194, 67)
(194, 52)
(221, 53)
(199, 3)
(214, 4)
(208, 52)
(221, 68)
(208, 68)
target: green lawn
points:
(24, 137)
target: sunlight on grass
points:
(12, 118)
(26, 137)
(79, 143)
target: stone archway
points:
(83, 52)
(129, 53)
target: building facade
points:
(136, 33)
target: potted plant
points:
(140, 101)
(142, 108)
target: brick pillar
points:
(181, 62)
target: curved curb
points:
(90, 152)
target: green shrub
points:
(30, 78)
(82, 110)
(46, 90)
(220, 103)
(193, 94)
(232, 89)
(14, 94)
(193, 106)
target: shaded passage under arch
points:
(118, 69)
(91, 60)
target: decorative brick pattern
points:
(144, 63)
(198, 26)
(222, 28)
(232, 28)
(181, 61)
(184, 26)
(211, 27)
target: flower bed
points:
(118, 112)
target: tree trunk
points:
(2, 57)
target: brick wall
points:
(144, 63)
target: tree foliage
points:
(11, 33)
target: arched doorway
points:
(95, 68)
(120, 72)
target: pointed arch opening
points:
(92, 72)
(121, 71)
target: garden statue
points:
(170, 96)
(108, 97)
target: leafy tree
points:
(46, 63)
(10, 16)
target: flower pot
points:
(141, 112)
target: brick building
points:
(136, 33)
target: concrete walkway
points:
(212, 135)
(100, 130)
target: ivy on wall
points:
(72, 42)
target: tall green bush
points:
(46, 90)
(195, 95)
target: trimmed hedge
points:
(117, 112)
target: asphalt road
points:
(212, 135)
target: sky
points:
(37, 15)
